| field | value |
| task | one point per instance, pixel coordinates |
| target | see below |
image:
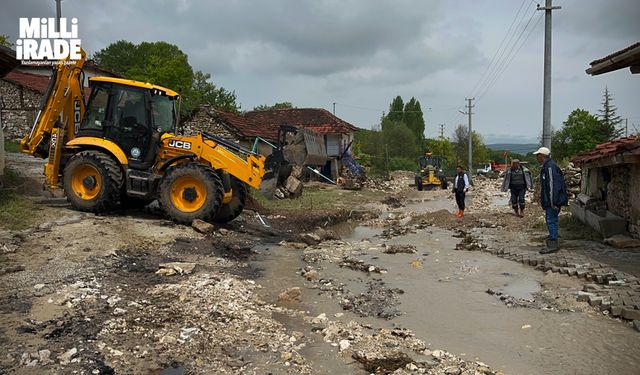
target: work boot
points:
(457, 214)
(552, 247)
(515, 209)
(522, 212)
(461, 214)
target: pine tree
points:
(608, 115)
(414, 119)
(396, 110)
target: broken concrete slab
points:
(622, 241)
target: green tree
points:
(581, 132)
(396, 110)
(166, 65)
(203, 91)
(117, 57)
(280, 105)
(399, 140)
(461, 147)
(414, 119)
(441, 147)
(608, 115)
(4, 41)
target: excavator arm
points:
(59, 117)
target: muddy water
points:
(445, 303)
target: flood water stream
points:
(445, 303)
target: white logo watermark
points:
(40, 42)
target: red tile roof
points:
(614, 54)
(35, 82)
(246, 128)
(317, 119)
(611, 148)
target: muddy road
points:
(392, 285)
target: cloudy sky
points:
(362, 53)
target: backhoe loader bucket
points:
(295, 147)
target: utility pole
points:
(441, 131)
(334, 108)
(469, 112)
(58, 14)
(546, 101)
(626, 127)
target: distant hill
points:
(519, 148)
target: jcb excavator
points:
(121, 148)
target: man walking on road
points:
(553, 195)
(517, 179)
(460, 188)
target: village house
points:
(335, 133)
(608, 200)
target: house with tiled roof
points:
(337, 133)
(231, 126)
(610, 188)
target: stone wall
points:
(634, 200)
(205, 120)
(19, 108)
(618, 193)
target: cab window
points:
(97, 109)
(164, 113)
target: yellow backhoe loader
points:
(121, 148)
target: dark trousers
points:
(517, 196)
(460, 195)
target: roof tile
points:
(611, 148)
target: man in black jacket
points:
(553, 195)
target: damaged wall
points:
(634, 200)
(19, 109)
(622, 191)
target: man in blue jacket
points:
(553, 195)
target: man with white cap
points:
(553, 195)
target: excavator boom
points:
(59, 117)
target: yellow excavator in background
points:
(430, 175)
(121, 148)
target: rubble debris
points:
(202, 226)
(360, 265)
(398, 249)
(392, 202)
(387, 364)
(291, 295)
(175, 268)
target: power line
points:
(483, 76)
(505, 52)
(512, 57)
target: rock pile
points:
(572, 177)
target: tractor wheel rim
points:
(86, 182)
(182, 194)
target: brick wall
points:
(19, 108)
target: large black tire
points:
(419, 183)
(231, 210)
(92, 181)
(191, 191)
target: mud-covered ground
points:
(131, 292)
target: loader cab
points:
(131, 114)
